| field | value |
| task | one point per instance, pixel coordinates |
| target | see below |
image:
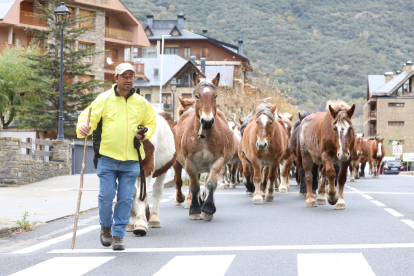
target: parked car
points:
(392, 167)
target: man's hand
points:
(140, 136)
(84, 130)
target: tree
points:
(15, 81)
(77, 94)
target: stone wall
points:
(16, 170)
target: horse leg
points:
(362, 172)
(140, 226)
(208, 208)
(257, 180)
(223, 184)
(233, 172)
(265, 178)
(178, 183)
(331, 174)
(284, 187)
(134, 211)
(352, 170)
(341, 184)
(194, 189)
(270, 189)
(157, 190)
(247, 175)
(321, 199)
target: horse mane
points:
(204, 82)
(296, 124)
(184, 107)
(264, 108)
(338, 105)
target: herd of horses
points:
(202, 141)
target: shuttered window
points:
(86, 18)
(205, 52)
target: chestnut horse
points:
(354, 164)
(233, 164)
(327, 138)
(263, 145)
(202, 155)
(378, 153)
(365, 153)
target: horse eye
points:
(335, 129)
(215, 97)
(197, 97)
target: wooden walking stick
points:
(75, 227)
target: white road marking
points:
(172, 196)
(376, 202)
(339, 264)
(407, 175)
(409, 222)
(165, 200)
(367, 196)
(55, 240)
(237, 248)
(190, 265)
(64, 266)
(393, 212)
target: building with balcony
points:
(114, 29)
(389, 107)
(174, 67)
(218, 55)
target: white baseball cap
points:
(124, 67)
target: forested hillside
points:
(316, 49)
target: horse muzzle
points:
(261, 146)
(359, 153)
(379, 155)
(207, 124)
(343, 157)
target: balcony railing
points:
(27, 18)
(168, 106)
(372, 132)
(3, 46)
(373, 114)
(139, 67)
(118, 34)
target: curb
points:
(407, 173)
(8, 227)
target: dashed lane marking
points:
(376, 202)
(393, 212)
(409, 222)
(367, 196)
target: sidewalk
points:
(50, 199)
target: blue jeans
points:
(109, 170)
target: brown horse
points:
(288, 157)
(202, 155)
(364, 152)
(354, 164)
(378, 153)
(233, 164)
(263, 145)
(185, 104)
(325, 139)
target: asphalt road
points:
(374, 235)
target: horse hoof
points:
(187, 205)
(339, 206)
(269, 198)
(333, 200)
(258, 199)
(223, 186)
(206, 216)
(321, 200)
(232, 186)
(314, 195)
(352, 179)
(140, 231)
(249, 193)
(154, 224)
(302, 194)
(130, 228)
(283, 189)
(176, 203)
(311, 203)
(195, 217)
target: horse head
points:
(264, 119)
(379, 142)
(287, 122)
(343, 132)
(205, 94)
(358, 145)
(185, 104)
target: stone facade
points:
(15, 170)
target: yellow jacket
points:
(120, 119)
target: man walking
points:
(115, 117)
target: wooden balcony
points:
(139, 67)
(373, 114)
(118, 34)
(27, 18)
(372, 132)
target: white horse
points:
(160, 154)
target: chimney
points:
(398, 72)
(388, 76)
(203, 65)
(150, 20)
(155, 71)
(193, 59)
(409, 66)
(403, 67)
(240, 47)
(180, 21)
(205, 33)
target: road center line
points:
(409, 222)
(367, 196)
(393, 212)
(235, 248)
(376, 202)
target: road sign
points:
(397, 149)
(408, 157)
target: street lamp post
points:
(173, 86)
(162, 61)
(62, 15)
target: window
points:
(171, 51)
(86, 18)
(88, 47)
(148, 32)
(167, 100)
(205, 52)
(68, 46)
(148, 97)
(175, 33)
(187, 52)
(396, 104)
(395, 123)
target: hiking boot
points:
(106, 236)
(118, 243)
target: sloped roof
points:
(377, 85)
(172, 65)
(185, 35)
(5, 6)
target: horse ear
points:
(362, 135)
(300, 117)
(290, 117)
(240, 121)
(181, 102)
(234, 126)
(280, 117)
(351, 111)
(255, 106)
(196, 80)
(273, 109)
(333, 112)
(216, 80)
